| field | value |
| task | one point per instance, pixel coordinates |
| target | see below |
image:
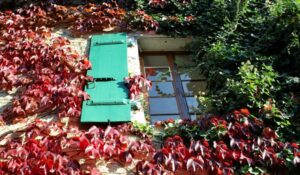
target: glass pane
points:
(158, 74)
(156, 118)
(163, 105)
(193, 104)
(184, 61)
(156, 61)
(162, 89)
(190, 74)
(192, 88)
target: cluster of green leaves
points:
(188, 17)
(143, 127)
(253, 62)
(249, 52)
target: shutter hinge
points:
(97, 80)
(109, 43)
(108, 102)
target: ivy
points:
(248, 50)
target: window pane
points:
(192, 88)
(156, 61)
(156, 118)
(193, 104)
(158, 74)
(162, 89)
(163, 105)
(190, 74)
(184, 61)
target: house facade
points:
(163, 60)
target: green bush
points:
(248, 50)
(252, 86)
(253, 61)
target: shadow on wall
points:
(7, 4)
(13, 4)
(5, 100)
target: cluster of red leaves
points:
(80, 20)
(245, 142)
(45, 15)
(50, 148)
(136, 84)
(47, 72)
(95, 18)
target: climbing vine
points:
(239, 43)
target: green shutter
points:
(109, 95)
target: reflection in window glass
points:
(189, 74)
(156, 118)
(156, 61)
(192, 88)
(163, 105)
(193, 104)
(163, 95)
(158, 74)
(162, 89)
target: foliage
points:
(139, 20)
(199, 17)
(254, 84)
(81, 19)
(104, 17)
(248, 50)
(51, 148)
(237, 143)
(136, 85)
(48, 73)
(231, 35)
(251, 60)
(251, 87)
(143, 128)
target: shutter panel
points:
(109, 95)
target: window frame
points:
(179, 93)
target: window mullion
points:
(178, 88)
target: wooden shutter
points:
(109, 96)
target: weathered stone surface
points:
(81, 45)
(115, 168)
(5, 99)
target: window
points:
(175, 85)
